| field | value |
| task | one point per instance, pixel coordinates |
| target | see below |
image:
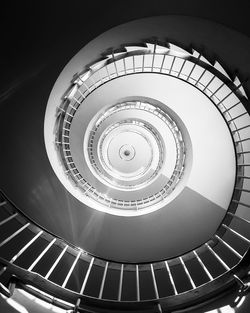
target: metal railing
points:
(40, 259)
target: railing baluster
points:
(210, 81)
(14, 234)
(239, 129)
(137, 283)
(171, 67)
(103, 280)
(232, 91)
(242, 189)
(3, 203)
(187, 272)
(56, 262)
(67, 123)
(198, 80)
(76, 100)
(192, 69)
(229, 247)
(8, 219)
(67, 113)
(107, 72)
(244, 204)
(117, 74)
(217, 90)
(143, 60)
(236, 233)
(243, 152)
(217, 257)
(242, 176)
(71, 269)
(15, 257)
(87, 276)
(162, 62)
(238, 116)
(154, 282)
(242, 140)
(125, 70)
(233, 106)
(159, 307)
(81, 94)
(87, 87)
(238, 217)
(120, 283)
(182, 67)
(153, 59)
(155, 287)
(84, 282)
(41, 255)
(2, 270)
(171, 278)
(203, 266)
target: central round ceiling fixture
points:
(135, 146)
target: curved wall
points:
(26, 175)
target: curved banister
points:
(86, 280)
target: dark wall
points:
(30, 32)
(37, 42)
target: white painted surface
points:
(213, 159)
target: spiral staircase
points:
(44, 265)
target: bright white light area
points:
(227, 309)
(17, 306)
(29, 301)
(241, 302)
(224, 309)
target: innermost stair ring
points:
(127, 152)
(131, 145)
